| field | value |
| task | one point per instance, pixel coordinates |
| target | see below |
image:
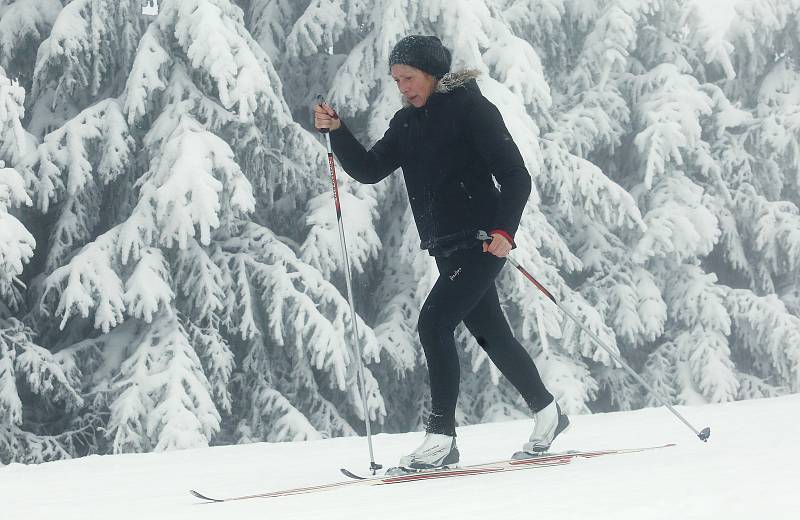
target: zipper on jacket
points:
(464, 189)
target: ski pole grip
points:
(320, 101)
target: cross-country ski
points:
(554, 459)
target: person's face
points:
(415, 85)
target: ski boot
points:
(549, 422)
(436, 452)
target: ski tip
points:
(347, 473)
(203, 497)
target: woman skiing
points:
(449, 141)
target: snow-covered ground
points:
(748, 470)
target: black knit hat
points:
(425, 53)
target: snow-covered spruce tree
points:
(755, 139)
(183, 302)
(664, 164)
(628, 103)
(650, 117)
(732, 222)
(589, 216)
(34, 387)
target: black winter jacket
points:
(448, 150)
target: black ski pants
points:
(465, 291)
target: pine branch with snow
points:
(90, 44)
(23, 26)
(769, 333)
(162, 398)
(26, 368)
(16, 242)
(76, 165)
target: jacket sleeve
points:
(495, 145)
(371, 166)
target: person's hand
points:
(325, 117)
(500, 246)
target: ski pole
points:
(703, 435)
(354, 322)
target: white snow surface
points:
(747, 470)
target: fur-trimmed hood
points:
(452, 81)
